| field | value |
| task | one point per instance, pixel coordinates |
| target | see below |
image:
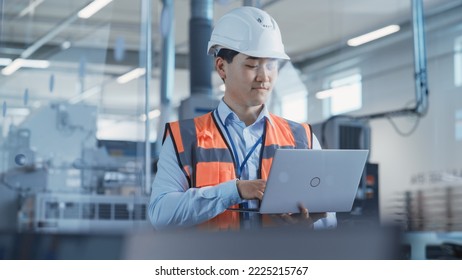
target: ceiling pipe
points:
(420, 57)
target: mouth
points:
(260, 87)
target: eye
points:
(272, 65)
(252, 66)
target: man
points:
(218, 163)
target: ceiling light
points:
(374, 35)
(65, 45)
(134, 74)
(152, 115)
(35, 63)
(12, 67)
(93, 8)
(19, 62)
(19, 112)
(5, 61)
(30, 8)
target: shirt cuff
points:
(229, 193)
(328, 222)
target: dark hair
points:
(227, 54)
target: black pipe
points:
(200, 29)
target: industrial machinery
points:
(432, 220)
(64, 181)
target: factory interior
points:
(85, 98)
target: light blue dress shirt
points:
(173, 203)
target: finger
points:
(262, 188)
(288, 218)
(303, 211)
(261, 191)
(260, 195)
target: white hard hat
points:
(250, 31)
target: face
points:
(248, 80)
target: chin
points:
(258, 102)
(258, 98)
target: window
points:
(294, 106)
(458, 125)
(291, 95)
(343, 94)
(458, 62)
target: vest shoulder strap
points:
(201, 150)
(298, 135)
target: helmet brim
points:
(267, 54)
(212, 50)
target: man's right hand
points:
(251, 189)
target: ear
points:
(220, 67)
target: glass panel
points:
(72, 127)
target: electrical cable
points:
(416, 124)
(401, 133)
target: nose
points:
(263, 74)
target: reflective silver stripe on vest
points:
(213, 155)
(188, 137)
(268, 151)
(299, 133)
(193, 154)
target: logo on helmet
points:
(260, 20)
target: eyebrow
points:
(257, 58)
(252, 58)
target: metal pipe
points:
(1, 23)
(168, 52)
(167, 75)
(420, 68)
(200, 28)
(146, 26)
(420, 57)
(252, 3)
(258, 3)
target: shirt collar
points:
(224, 112)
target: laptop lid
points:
(320, 180)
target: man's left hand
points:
(304, 217)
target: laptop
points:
(320, 180)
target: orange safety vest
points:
(206, 158)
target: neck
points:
(247, 114)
